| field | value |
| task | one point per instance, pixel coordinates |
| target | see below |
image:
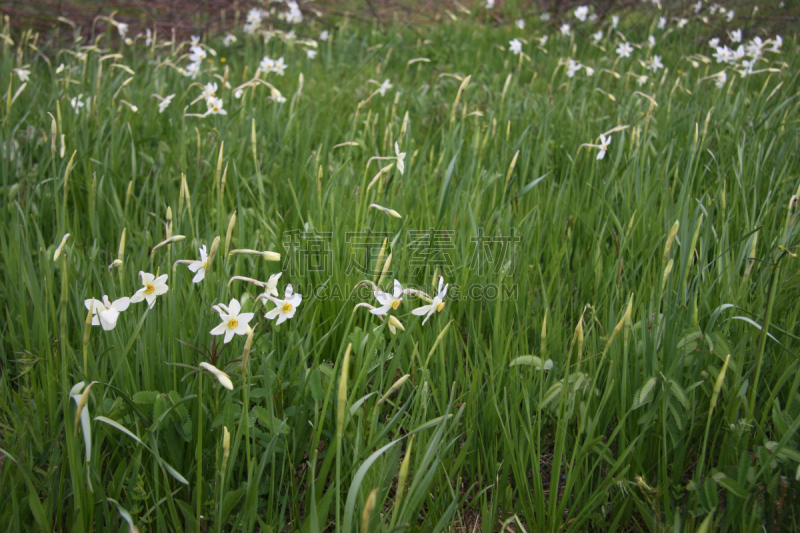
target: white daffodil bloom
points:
(713, 43)
(23, 74)
(597, 36)
(122, 28)
(324, 35)
(272, 285)
(279, 67)
(197, 54)
(77, 103)
(209, 90)
(153, 287)
(777, 42)
(106, 313)
(614, 21)
(163, 104)
(193, 70)
(215, 106)
(233, 322)
(565, 29)
(573, 67)
(515, 46)
(435, 306)
(723, 54)
(581, 13)
(736, 36)
(604, 142)
(401, 158)
(388, 301)
(221, 376)
(721, 79)
(662, 23)
(148, 37)
(195, 40)
(655, 63)
(624, 49)
(286, 308)
(267, 64)
(229, 39)
(589, 71)
(199, 267)
(682, 23)
(520, 23)
(311, 53)
(385, 86)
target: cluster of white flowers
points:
(254, 19)
(268, 65)
(197, 53)
(745, 56)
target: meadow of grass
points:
(600, 362)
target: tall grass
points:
(642, 373)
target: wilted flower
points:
(153, 287)
(106, 313)
(401, 157)
(221, 376)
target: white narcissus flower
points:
(311, 53)
(233, 322)
(163, 104)
(597, 36)
(573, 67)
(286, 308)
(388, 301)
(148, 37)
(215, 106)
(195, 40)
(267, 64)
(435, 306)
(197, 54)
(193, 70)
(106, 313)
(721, 80)
(77, 103)
(209, 90)
(279, 67)
(272, 285)
(153, 287)
(581, 13)
(604, 142)
(515, 46)
(229, 39)
(23, 74)
(736, 36)
(713, 43)
(238, 93)
(614, 21)
(221, 376)
(324, 35)
(662, 23)
(520, 24)
(122, 28)
(565, 29)
(199, 267)
(655, 63)
(624, 49)
(385, 86)
(589, 71)
(401, 158)
(545, 17)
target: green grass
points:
(644, 278)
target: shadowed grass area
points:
(616, 350)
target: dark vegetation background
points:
(56, 18)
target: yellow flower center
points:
(150, 289)
(396, 304)
(440, 307)
(233, 323)
(287, 307)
